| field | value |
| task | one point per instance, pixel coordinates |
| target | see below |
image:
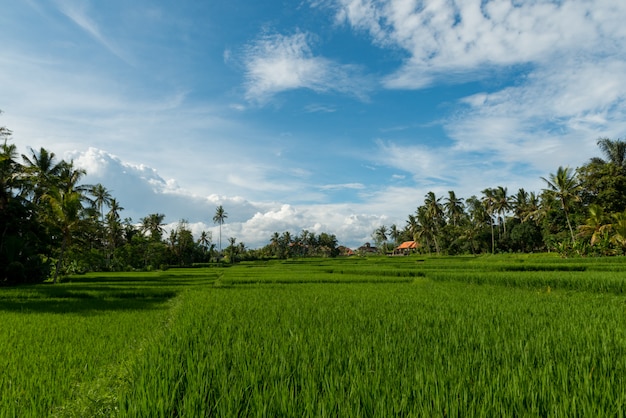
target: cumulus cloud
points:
(276, 63)
(142, 191)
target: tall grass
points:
(402, 336)
(63, 347)
(418, 349)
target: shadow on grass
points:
(96, 294)
(84, 306)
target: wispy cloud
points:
(77, 13)
(276, 63)
(344, 186)
(445, 39)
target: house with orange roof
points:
(406, 248)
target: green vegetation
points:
(507, 335)
(51, 225)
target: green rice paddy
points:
(365, 337)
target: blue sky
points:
(327, 115)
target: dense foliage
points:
(580, 212)
(51, 224)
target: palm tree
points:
(489, 200)
(153, 224)
(10, 173)
(66, 207)
(205, 241)
(102, 197)
(434, 216)
(614, 151)
(114, 224)
(619, 229)
(395, 233)
(412, 227)
(454, 208)
(564, 186)
(380, 235)
(427, 229)
(233, 248)
(44, 170)
(595, 226)
(69, 177)
(219, 218)
(502, 204)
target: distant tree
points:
(489, 202)
(565, 187)
(66, 206)
(181, 243)
(232, 249)
(327, 244)
(380, 236)
(454, 208)
(432, 219)
(101, 198)
(395, 233)
(613, 150)
(205, 242)
(44, 172)
(603, 181)
(153, 225)
(596, 224)
(219, 218)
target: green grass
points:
(403, 336)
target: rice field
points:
(363, 337)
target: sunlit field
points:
(380, 336)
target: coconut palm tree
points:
(427, 227)
(114, 225)
(219, 218)
(43, 170)
(618, 228)
(595, 225)
(412, 227)
(10, 173)
(564, 186)
(101, 197)
(433, 219)
(153, 224)
(232, 248)
(380, 235)
(614, 151)
(395, 233)
(66, 207)
(454, 208)
(489, 199)
(502, 204)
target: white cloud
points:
(344, 186)
(276, 63)
(142, 191)
(570, 92)
(553, 119)
(444, 39)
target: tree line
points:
(580, 211)
(51, 224)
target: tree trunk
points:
(60, 260)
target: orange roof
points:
(407, 245)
